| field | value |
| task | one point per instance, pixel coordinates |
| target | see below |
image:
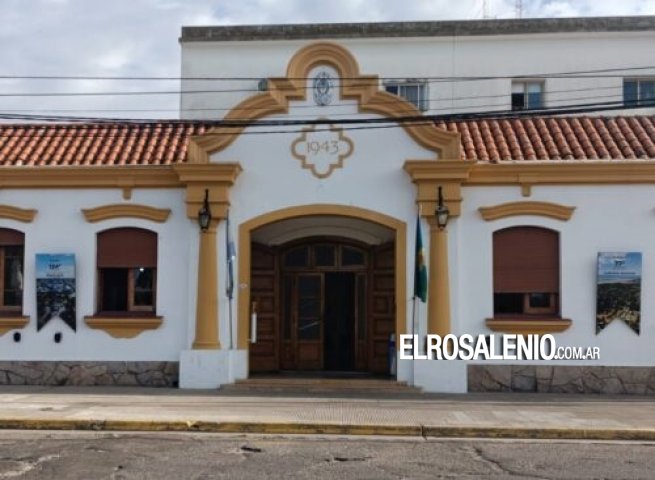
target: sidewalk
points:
(472, 415)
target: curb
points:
(330, 429)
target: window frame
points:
(130, 284)
(639, 101)
(553, 309)
(423, 98)
(533, 320)
(525, 84)
(4, 308)
(12, 309)
(131, 292)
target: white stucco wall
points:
(607, 219)
(60, 227)
(506, 56)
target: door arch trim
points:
(245, 230)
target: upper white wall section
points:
(497, 55)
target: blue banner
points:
(618, 291)
(55, 289)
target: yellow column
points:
(207, 300)
(438, 283)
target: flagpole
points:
(229, 277)
(229, 307)
(417, 313)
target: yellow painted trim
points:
(215, 177)
(123, 327)
(438, 282)
(541, 209)
(527, 327)
(154, 176)
(19, 214)
(354, 86)
(245, 231)
(428, 175)
(119, 210)
(8, 323)
(563, 173)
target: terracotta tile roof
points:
(493, 141)
(556, 138)
(95, 144)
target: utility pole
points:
(518, 7)
(485, 9)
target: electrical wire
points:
(428, 78)
(310, 87)
(366, 122)
(342, 105)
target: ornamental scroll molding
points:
(19, 214)
(107, 212)
(542, 209)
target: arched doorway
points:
(328, 285)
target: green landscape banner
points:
(618, 294)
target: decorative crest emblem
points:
(323, 88)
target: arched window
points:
(11, 265)
(526, 271)
(127, 270)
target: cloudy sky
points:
(140, 38)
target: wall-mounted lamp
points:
(442, 213)
(58, 337)
(17, 336)
(205, 214)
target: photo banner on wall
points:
(618, 291)
(55, 289)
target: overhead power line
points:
(347, 124)
(467, 98)
(216, 78)
(309, 87)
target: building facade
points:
(319, 252)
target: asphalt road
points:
(84, 456)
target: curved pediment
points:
(354, 86)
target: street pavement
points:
(419, 415)
(78, 455)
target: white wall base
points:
(204, 368)
(238, 365)
(405, 371)
(440, 376)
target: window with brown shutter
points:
(127, 270)
(11, 270)
(526, 271)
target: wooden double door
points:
(322, 305)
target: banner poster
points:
(55, 289)
(618, 292)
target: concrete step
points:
(322, 385)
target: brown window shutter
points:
(526, 259)
(127, 248)
(9, 237)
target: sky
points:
(140, 38)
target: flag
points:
(420, 272)
(229, 260)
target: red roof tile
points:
(488, 140)
(556, 138)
